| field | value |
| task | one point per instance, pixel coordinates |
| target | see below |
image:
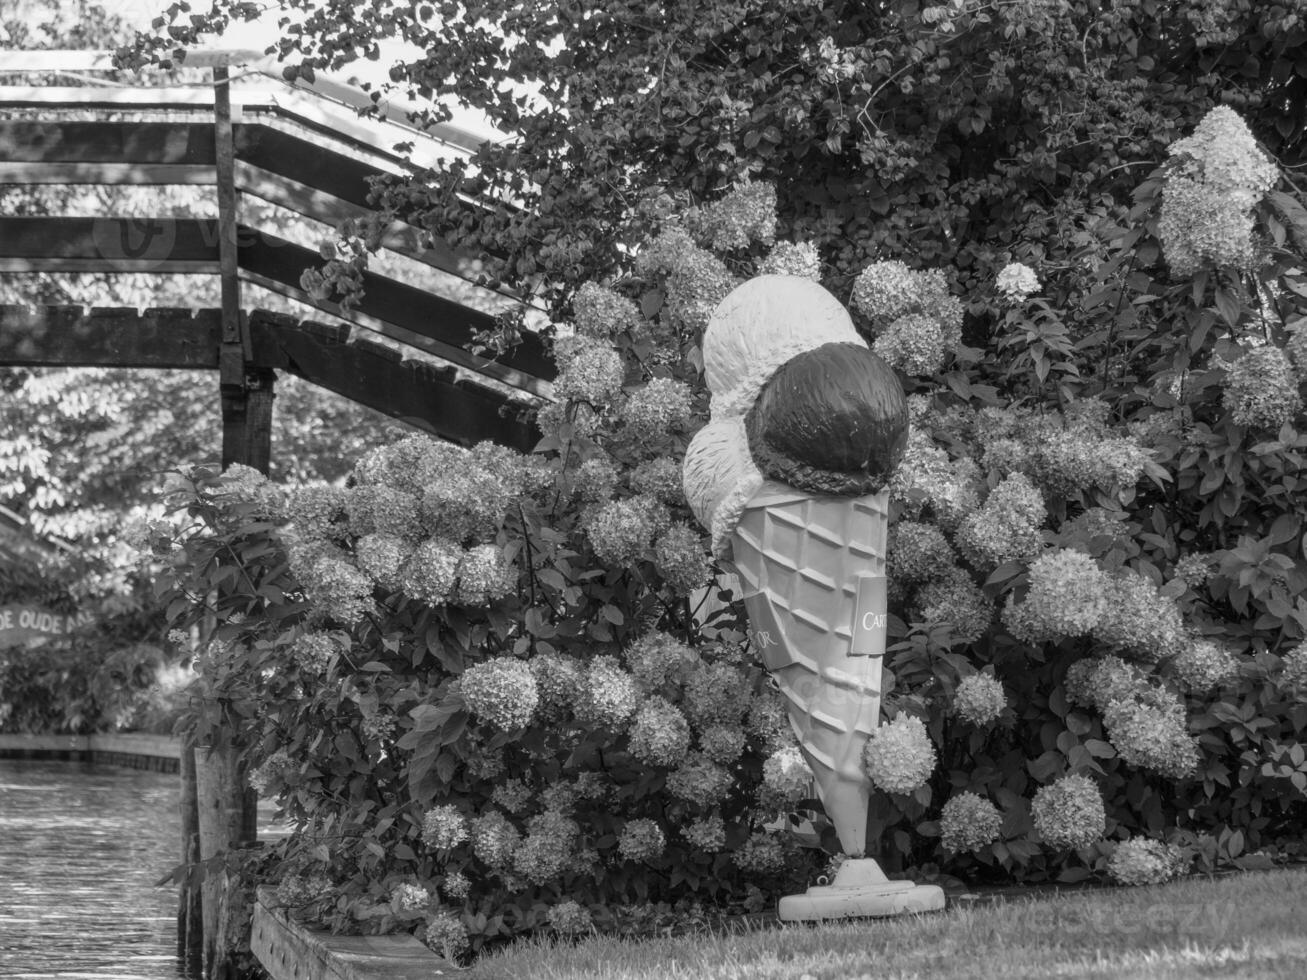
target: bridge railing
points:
(303, 147)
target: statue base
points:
(860, 889)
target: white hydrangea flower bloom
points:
(1016, 282)
(1294, 673)
(899, 757)
(408, 897)
(444, 827)
(501, 691)
(792, 259)
(1152, 736)
(788, 774)
(1069, 813)
(969, 822)
(1217, 176)
(641, 840)
(1067, 598)
(660, 735)
(494, 838)
(885, 290)
(569, 918)
(610, 695)
(979, 700)
(707, 834)
(1140, 861)
(1204, 665)
(1261, 389)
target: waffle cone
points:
(801, 559)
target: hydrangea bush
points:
(1115, 466)
(520, 684)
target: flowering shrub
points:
(512, 679)
(488, 677)
(1117, 471)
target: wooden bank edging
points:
(161, 753)
(289, 950)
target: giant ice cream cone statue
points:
(807, 425)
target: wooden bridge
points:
(402, 349)
(303, 148)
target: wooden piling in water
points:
(190, 925)
(227, 821)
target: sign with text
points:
(20, 623)
(869, 617)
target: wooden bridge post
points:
(246, 392)
(227, 812)
(227, 821)
(190, 921)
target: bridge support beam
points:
(227, 815)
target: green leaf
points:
(1284, 528)
(1100, 749)
(651, 302)
(1292, 211)
(1005, 573)
(429, 717)
(1229, 307)
(1078, 723)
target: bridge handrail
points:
(73, 133)
(459, 138)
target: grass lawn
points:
(1249, 926)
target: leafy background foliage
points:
(964, 134)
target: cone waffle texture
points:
(800, 558)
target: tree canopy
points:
(957, 133)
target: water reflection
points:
(81, 846)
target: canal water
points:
(81, 846)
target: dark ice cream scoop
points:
(830, 420)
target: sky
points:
(139, 13)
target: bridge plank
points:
(304, 162)
(414, 310)
(428, 397)
(322, 206)
(109, 244)
(72, 336)
(134, 174)
(170, 245)
(85, 141)
(432, 398)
